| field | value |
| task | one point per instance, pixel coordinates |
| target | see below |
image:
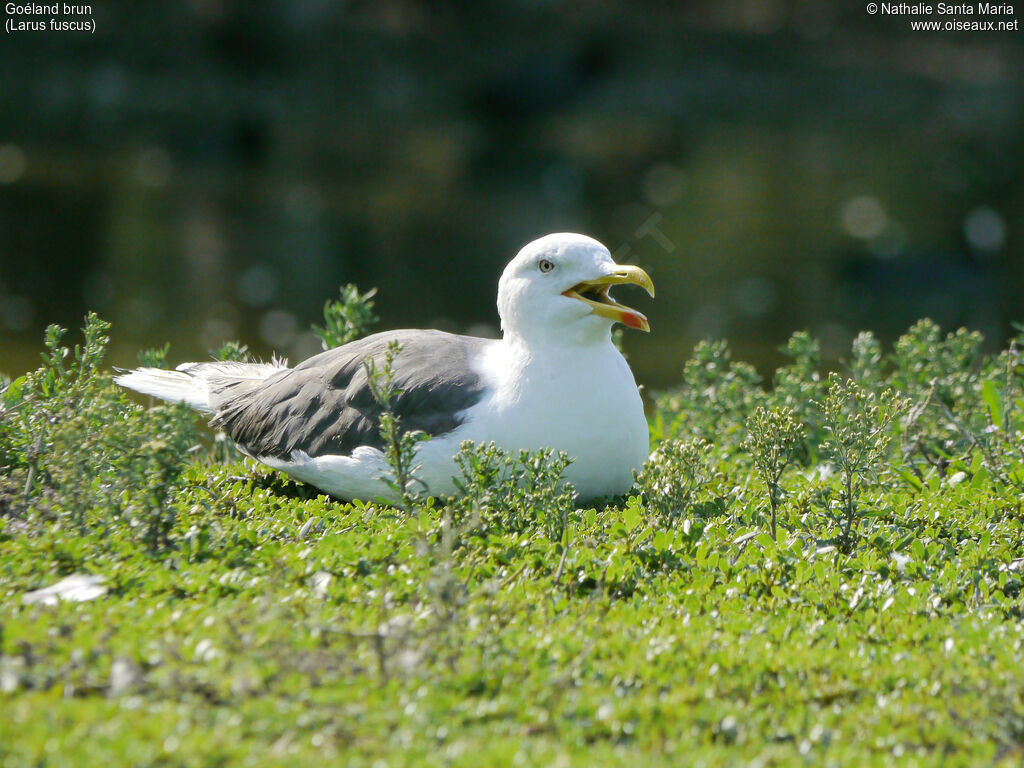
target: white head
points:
(556, 290)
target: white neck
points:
(518, 363)
(584, 336)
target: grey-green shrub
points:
(857, 436)
(514, 491)
(775, 439)
(347, 318)
(83, 454)
(674, 478)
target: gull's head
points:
(558, 287)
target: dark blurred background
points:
(214, 169)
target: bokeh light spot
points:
(984, 229)
(16, 313)
(278, 328)
(257, 285)
(863, 217)
(12, 163)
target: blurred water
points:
(215, 170)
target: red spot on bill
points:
(634, 320)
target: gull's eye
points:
(545, 265)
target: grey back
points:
(324, 406)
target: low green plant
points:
(232, 352)
(508, 626)
(867, 362)
(85, 455)
(539, 478)
(674, 478)
(857, 436)
(347, 318)
(775, 439)
(923, 359)
(155, 357)
(945, 374)
(514, 491)
(400, 445)
(1000, 443)
(798, 386)
(713, 399)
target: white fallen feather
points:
(76, 588)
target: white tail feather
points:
(233, 371)
(192, 383)
(173, 386)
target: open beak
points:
(595, 294)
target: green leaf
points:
(919, 550)
(976, 463)
(661, 540)
(13, 393)
(631, 518)
(912, 480)
(990, 394)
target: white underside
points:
(587, 406)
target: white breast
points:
(586, 405)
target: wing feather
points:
(325, 406)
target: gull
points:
(553, 380)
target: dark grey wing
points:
(324, 406)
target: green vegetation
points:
(774, 436)
(399, 444)
(347, 318)
(826, 571)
